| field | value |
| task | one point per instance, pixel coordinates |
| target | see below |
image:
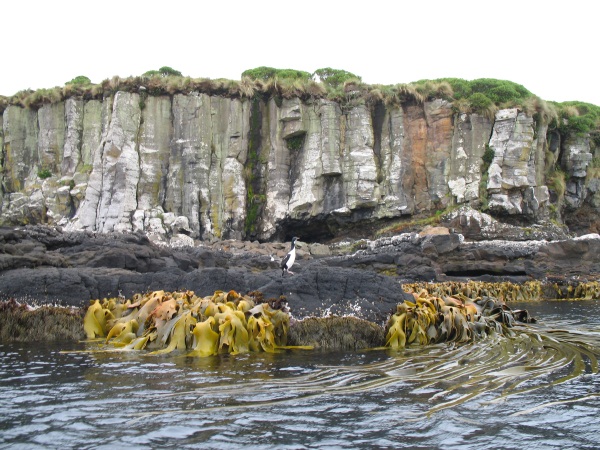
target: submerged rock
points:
(336, 333)
(21, 323)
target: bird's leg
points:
(290, 272)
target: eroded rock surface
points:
(269, 168)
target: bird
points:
(289, 259)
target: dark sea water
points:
(538, 389)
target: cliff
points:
(199, 166)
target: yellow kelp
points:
(457, 318)
(510, 292)
(225, 322)
(589, 290)
(95, 320)
(504, 291)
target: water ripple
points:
(538, 388)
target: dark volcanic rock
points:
(44, 265)
(579, 257)
(319, 290)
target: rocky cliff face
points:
(207, 167)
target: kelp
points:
(225, 322)
(512, 292)
(444, 343)
(504, 291)
(432, 319)
(581, 291)
(228, 322)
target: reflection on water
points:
(538, 389)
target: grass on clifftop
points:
(483, 96)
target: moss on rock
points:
(336, 333)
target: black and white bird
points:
(289, 259)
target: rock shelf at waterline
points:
(482, 306)
(45, 265)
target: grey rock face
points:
(576, 157)
(393, 163)
(255, 169)
(359, 167)
(471, 134)
(51, 137)
(155, 136)
(71, 152)
(205, 180)
(110, 198)
(20, 148)
(513, 170)
(95, 120)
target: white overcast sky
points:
(549, 47)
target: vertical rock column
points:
(536, 197)
(512, 170)
(414, 176)
(394, 199)
(359, 166)
(111, 195)
(228, 156)
(20, 152)
(206, 164)
(471, 134)
(278, 181)
(71, 154)
(576, 156)
(96, 118)
(86, 192)
(59, 202)
(51, 137)
(156, 132)
(189, 162)
(330, 117)
(22, 200)
(438, 114)
(51, 142)
(301, 124)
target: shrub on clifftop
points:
(164, 71)
(81, 79)
(264, 73)
(334, 77)
(578, 117)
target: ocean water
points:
(537, 389)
